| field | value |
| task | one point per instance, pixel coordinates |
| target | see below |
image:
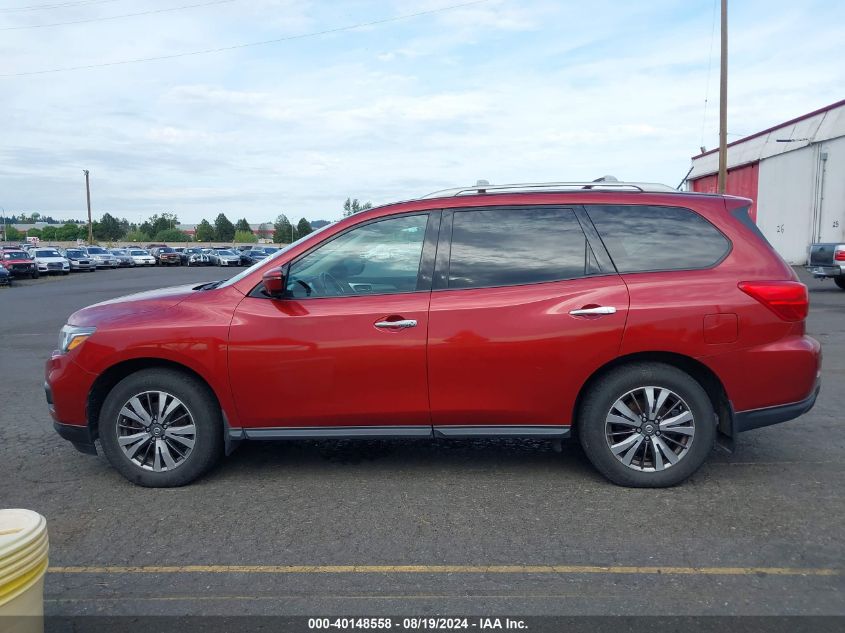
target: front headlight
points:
(72, 336)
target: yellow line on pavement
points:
(446, 569)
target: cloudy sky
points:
(507, 90)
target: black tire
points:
(35, 275)
(839, 281)
(198, 400)
(620, 381)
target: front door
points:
(347, 347)
(525, 308)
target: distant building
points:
(795, 174)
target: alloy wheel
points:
(156, 431)
(650, 428)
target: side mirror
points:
(274, 283)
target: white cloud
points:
(506, 90)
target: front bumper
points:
(66, 389)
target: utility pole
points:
(88, 197)
(723, 103)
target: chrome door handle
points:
(598, 310)
(397, 325)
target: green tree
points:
(137, 236)
(68, 232)
(12, 234)
(158, 223)
(245, 237)
(242, 225)
(34, 233)
(224, 230)
(302, 227)
(282, 230)
(171, 235)
(108, 228)
(205, 232)
(352, 206)
(49, 233)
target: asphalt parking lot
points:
(479, 527)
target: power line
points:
(115, 17)
(61, 5)
(277, 40)
(709, 68)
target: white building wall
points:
(831, 225)
(801, 198)
(785, 202)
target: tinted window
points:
(641, 237)
(503, 247)
(375, 258)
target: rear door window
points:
(515, 246)
(644, 238)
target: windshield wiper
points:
(210, 285)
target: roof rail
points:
(483, 188)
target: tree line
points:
(163, 227)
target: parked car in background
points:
(101, 257)
(252, 256)
(194, 256)
(642, 320)
(19, 263)
(141, 257)
(166, 256)
(227, 258)
(79, 260)
(124, 259)
(827, 261)
(5, 277)
(49, 260)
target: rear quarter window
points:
(644, 238)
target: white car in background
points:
(141, 257)
(227, 258)
(49, 260)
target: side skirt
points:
(366, 432)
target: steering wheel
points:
(331, 286)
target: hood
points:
(130, 305)
(51, 259)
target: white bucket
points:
(23, 561)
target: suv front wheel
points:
(647, 425)
(161, 428)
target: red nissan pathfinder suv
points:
(641, 320)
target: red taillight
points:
(839, 256)
(788, 299)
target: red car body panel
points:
(322, 362)
(514, 355)
(483, 356)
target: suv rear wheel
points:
(840, 281)
(161, 428)
(647, 425)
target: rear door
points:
(526, 305)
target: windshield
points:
(47, 254)
(15, 255)
(275, 255)
(96, 250)
(166, 249)
(226, 253)
(70, 253)
(117, 251)
(138, 253)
